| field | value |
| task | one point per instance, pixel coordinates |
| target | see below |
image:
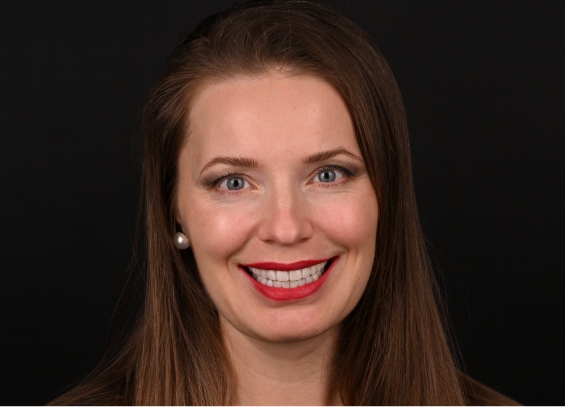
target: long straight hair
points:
(393, 348)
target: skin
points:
(281, 351)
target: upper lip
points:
(269, 265)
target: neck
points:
(282, 373)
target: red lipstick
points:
(289, 294)
(285, 266)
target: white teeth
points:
(288, 279)
(295, 275)
(282, 276)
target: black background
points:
(484, 88)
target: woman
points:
(285, 261)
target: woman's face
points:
(273, 193)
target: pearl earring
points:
(181, 241)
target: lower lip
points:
(290, 294)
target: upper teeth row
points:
(293, 275)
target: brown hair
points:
(393, 347)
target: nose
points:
(285, 218)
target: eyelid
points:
(217, 181)
(347, 174)
(344, 171)
(225, 179)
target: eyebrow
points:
(326, 155)
(233, 161)
(252, 163)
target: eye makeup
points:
(217, 179)
(348, 172)
(347, 175)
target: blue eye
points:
(329, 175)
(233, 183)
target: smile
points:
(289, 279)
(286, 282)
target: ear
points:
(179, 221)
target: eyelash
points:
(218, 181)
(347, 174)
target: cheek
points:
(350, 220)
(219, 230)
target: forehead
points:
(269, 114)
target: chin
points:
(290, 330)
(289, 336)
